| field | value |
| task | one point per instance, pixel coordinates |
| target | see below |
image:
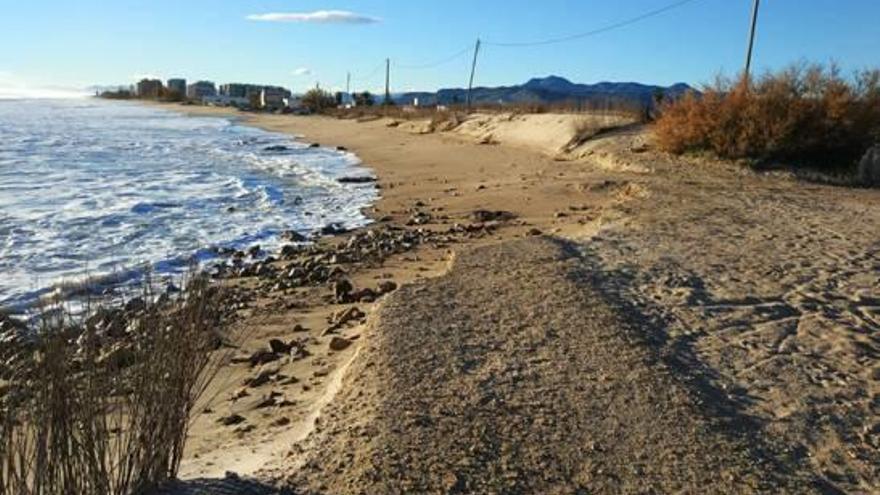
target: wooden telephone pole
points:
(751, 39)
(387, 81)
(473, 71)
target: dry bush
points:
(807, 115)
(101, 405)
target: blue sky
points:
(64, 43)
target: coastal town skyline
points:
(307, 43)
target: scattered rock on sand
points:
(333, 229)
(266, 373)
(339, 344)
(342, 291)
(231, 420)
(278, 346)
(387, 286)
(293, 236)
(492, 216)
(262, 356)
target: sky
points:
(56, 45)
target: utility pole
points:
(348, 83)
(751, 40)
(473, 71)
(387, 81)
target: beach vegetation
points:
(805, 115)
(319, 101)
(100, 404)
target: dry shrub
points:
(101, 405)
(806, 115)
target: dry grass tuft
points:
(101, 405)
(806, 115)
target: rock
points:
(366, 295)
(266, 373)
(342, 291)
(339, 344)
(231, 420)
(299, 328)
(419, 218)
(356, 180)
(262, 357)
(387, 286)
(341, 148)
(276, 149)
(492, 216)
(293, 236)
(264, 402)
(869, 167)
(254, 251)
(282, 421)
(279, 347)
(533, 231)
(348, 315)
(136, 304)
(333, 229)
(315, 145)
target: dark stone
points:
(279, 347)
(342, 291)
(293, 236)
(492, 216)
(333, 229)
(364, 295)
(356, 180)
(339, 344)
(262, 357)
(277, 148)
(387, 286)
(231, 420)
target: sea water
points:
(101, 189)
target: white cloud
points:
(318, 17)
(302, 71)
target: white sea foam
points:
(89, 186)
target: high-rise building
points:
(149, 88)
(177, 87)
(201, 89)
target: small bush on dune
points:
(102, 405)
(807, 115)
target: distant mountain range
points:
(548, 90)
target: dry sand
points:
(692, 327)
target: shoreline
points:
(665, 240)
(633, 288)
(454, 212)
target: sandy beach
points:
(596, 318)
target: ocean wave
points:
(121, 185)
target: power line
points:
(438, 63)
(594, 32)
